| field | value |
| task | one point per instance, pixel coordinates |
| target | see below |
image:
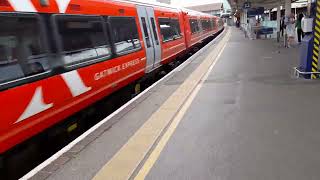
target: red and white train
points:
(59, 56)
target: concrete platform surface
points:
(250, 120)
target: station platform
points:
(233, 111)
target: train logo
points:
(37, 104)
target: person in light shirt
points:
(290, 28)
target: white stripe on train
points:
(75, 83)
(63, 4)
(37, 105)
(27, 5)
(23, 5)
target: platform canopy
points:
(267, 4)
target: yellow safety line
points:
(314, 64)
(318, 15)
(313, 76)
(317, 35)
(316, 41)
(164, 140)
(313, 69)
(124, 163)
(318, 22)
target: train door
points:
(150, 37)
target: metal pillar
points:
(278, 22)
(270, 14)
(316, 41)
(287, 16)
(287, 8)
(309, 8)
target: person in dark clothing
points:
(299, 28)
(282, 26)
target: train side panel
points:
(31, 107)
(43, 103)
(172, 45)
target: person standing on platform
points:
(299, 28)
(290, 30)
(282, 26)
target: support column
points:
(278, 22)
(287, 16)
(309, 8)
(270, 14)
(287, 8)
(246, 21)
(316, 41)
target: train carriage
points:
(59, 56)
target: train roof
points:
(133, 2)
(158, 4)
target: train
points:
(58, 57)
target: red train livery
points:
(59, 56)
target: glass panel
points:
(125, 33)
(145, 30)
(194, 25)
(205, 25)
(21, 47)
(82, 38)
(170, 29)
(154, 30)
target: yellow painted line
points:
(318, 9)
(316, 53)
(317, 35)
(316, 47)
(314, 58)
(125, 162)
(318, 3)
(318, 15)
(164, 140)
(318, 22)
(314, 64)
(313, 76)
(313, 69)
(316, 41)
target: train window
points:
(212, 24)
(170, 29)
(22, 51)
(145, 31)
(82, 38)
(154, 30)
(194, 25)
(125, 34)
(205, 25)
